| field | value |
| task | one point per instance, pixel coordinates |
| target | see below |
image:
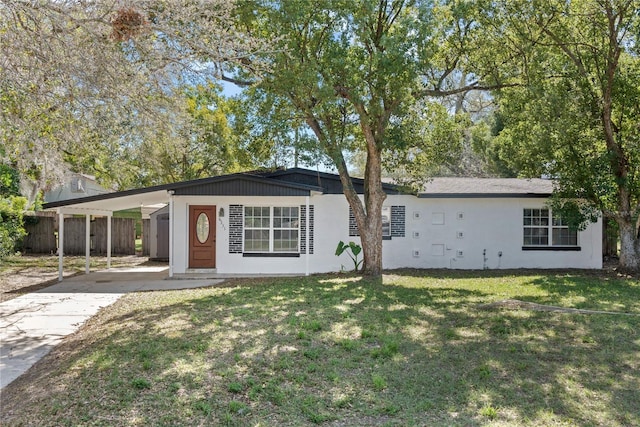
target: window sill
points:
(552, 248)
(270, 255)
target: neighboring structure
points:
(291, 222)
(76, 185)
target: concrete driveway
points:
(31, 325)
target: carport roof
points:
(233, 184)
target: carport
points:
(105, 205)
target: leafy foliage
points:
(11, 224)
(577, 117)
(9, 181)
(12, 207)
(85, 85)
(353, 250)
(354, 73)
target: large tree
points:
(355, 70)
(578, 117)
(92, 79)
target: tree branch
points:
(241, 83)
(467, 88)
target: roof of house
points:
(300, 182)
(238, 184)
(487, 187)
(329, 182)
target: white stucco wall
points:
(494, 225)
(491, 225)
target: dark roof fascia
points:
(326, 175)
(106, 196)
(178, 185)
(483, 195)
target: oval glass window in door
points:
(202, 227)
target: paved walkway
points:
(33, 324)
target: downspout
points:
(171, 227)
(308, 254)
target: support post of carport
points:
(171, 220)
(87, 242)
(109, 216)
(60, 245)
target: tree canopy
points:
(355, 72)
(577, 117)
(82, 83)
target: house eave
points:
(483, 195)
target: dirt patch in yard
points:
(23, 274)
(514, 304)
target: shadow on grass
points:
(350, 350)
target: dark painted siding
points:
(239, 187)
(330, 184)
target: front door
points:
(202, 236)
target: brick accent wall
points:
(236, 217)
(353, 226)
(397, 221)
(311, 227)
(303, 228)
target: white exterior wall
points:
(491, 224)
(494, 225)
(331, 222)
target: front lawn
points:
(420, 348)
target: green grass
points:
(412, 350)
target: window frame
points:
(272, 230)
(536, 220)
(386, 233)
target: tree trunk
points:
(368, 216)
(629, 245)
(374, 197)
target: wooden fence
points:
(146, 237)
(123, 236)
(41, 237)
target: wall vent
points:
(437, 218)
(460, 234)
(416, 253)
(459, 253)
(437, 249)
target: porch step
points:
(197, 273)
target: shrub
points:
(11, 224)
